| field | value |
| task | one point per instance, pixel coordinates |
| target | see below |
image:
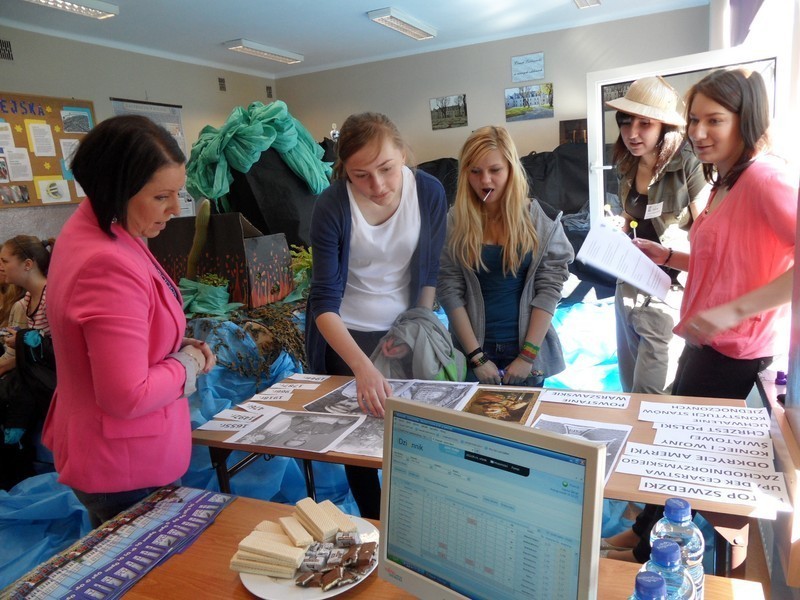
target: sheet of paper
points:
(309, 377)
(289, 385)
(215, 425)
(767, 503)
(612, 435)
(19, 164)
(728, 416)
(706, 428)
(241, 416)
(700, 458)
(273, 396)
(40, 138)
(608, 249)
(714, 443)
(258, 408)
(596, 399)
(729, 477)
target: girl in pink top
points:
(741, 262)
(742, 245)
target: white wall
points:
(48, 66)
(402, 87)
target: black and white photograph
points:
(447, 394)
(366, 439)
(76, 120)
(611, 434)
(313, 432)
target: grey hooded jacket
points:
(458, 286)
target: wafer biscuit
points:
(298, 534)
(344, 522)
(270, 526)
(278, 537)
(261, 568)
(257, 543)
(316, 520)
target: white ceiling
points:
(329, 33)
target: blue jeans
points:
(503, 354)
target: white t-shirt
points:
(379, 273)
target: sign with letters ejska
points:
(38, 137)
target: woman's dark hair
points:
(116, 159)
(29, 247)
(361, 130)
(669, 143)
(742, 92)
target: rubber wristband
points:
(482, 360)
(474, 353)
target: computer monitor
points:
(473, 507)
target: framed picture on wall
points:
(449, 111)
(529, 102)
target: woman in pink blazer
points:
(118, 425)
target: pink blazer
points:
(118, 420)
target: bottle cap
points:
(666, 553)
(677, 509)
(780, 378)
(650, 586)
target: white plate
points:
(271, 588)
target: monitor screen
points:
(480, 508)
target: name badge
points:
(653, 210)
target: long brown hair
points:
(669, 143)
(742, 92)
(26, 247)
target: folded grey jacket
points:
(433, 355)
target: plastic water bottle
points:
(677, 525)
(649, 586)
(665, 559)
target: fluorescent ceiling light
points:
(94, 9)
(399, 21)
(587, 3)
(276, 54)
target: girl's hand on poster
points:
(371, 390)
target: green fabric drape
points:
(238, 144)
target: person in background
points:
(741, 260)
(24, 260)
(661, 186)
(12, 318)
(119, 425)
(503, 267)
(377, 233)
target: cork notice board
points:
(38, 136)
